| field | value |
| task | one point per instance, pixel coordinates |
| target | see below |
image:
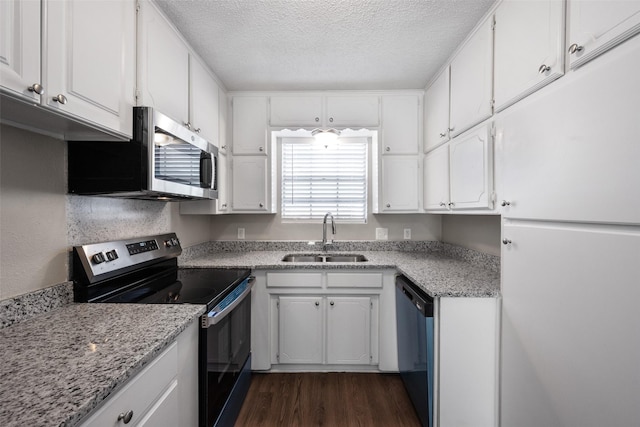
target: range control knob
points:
(112, 255)
(168, 243)
(98, 258)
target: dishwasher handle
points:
(417, 297)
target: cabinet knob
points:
(451, 128)
(60, 98)
(197, 130)
(442, 134)
(317, 119)
(317, 303)
(451, 205)
(388, 149)
(443, 204)
(224, 147)
(126, 416)
(187, 125)
(261, 205)
(506, 241)
(505, 203)
(388, 205)
(543, 69)
(37, 88)
(224, 206)
(575, 48)
(260, 148)
(330, 119)
(332, 303)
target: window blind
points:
(317, 179)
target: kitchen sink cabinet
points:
(313, 320)
(529, 50)
(596, 26)
(317, 110)
(436, 108)
(472, 81)
(82, 77)
(163, 394)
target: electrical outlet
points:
(241, 233)
(382, 234)
(407, 234)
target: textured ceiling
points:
(325, 44)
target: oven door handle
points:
(213, 317)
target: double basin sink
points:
(323, 258)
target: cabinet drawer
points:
(140, 393)
(297, 280)
(354, 280)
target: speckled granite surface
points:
(439, 271)
(23, 307)
(51, 374)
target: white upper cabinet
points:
(20, 48)
(359, 111)
(528, 48)
(163, 65)
(596, 26)
(436, 107)
(90, 65)
(570, 152)
(471, 81)
(400, 189)
(436, 179)
(471, 170)
(310, 110)
(250, 184)
(203, 109)
(250, 125)
(401, 121)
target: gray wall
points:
(39, 223)
(478, 232)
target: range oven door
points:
(224, 353)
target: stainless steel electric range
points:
(145, 270)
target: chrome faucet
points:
(324, 229)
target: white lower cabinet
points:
(163, 394)
(319, 320)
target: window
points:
(317, 179)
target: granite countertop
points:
(57, 367)
(438, 273)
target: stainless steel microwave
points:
(163, 161)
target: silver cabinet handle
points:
(505, 203)
(543, 69)
(332, 303)
(197, 130)
(260, 148)
(317, 119)
(506, 241)
(442, 134)
(37, 88)
(575, 48)
(317, 303)
(126, 416)
(60, 98)
(330, 119)
(388, 149)
(187, 125)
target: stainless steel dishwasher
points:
(414, 310)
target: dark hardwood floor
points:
(327, 399)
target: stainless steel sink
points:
(324, 258)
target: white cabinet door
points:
(471, 81)
(163, 65)
(401, 121)
(20, 47)
(570, 151)
(359, 111)
(400, 190)
(249, 184)
(166, 410)
(471, 170)
(222, 203)
(300, 332)
(596, 26)
(296, 110)
(436, 115)
(223, 122)
(89, 61)
(467, 353)
(349, 330)
(436, 179)
(203, 110)
(528, 48)
(570, 343)
(249, 125)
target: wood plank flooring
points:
(327, 399)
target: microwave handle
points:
(206, 171)
(215, 173)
